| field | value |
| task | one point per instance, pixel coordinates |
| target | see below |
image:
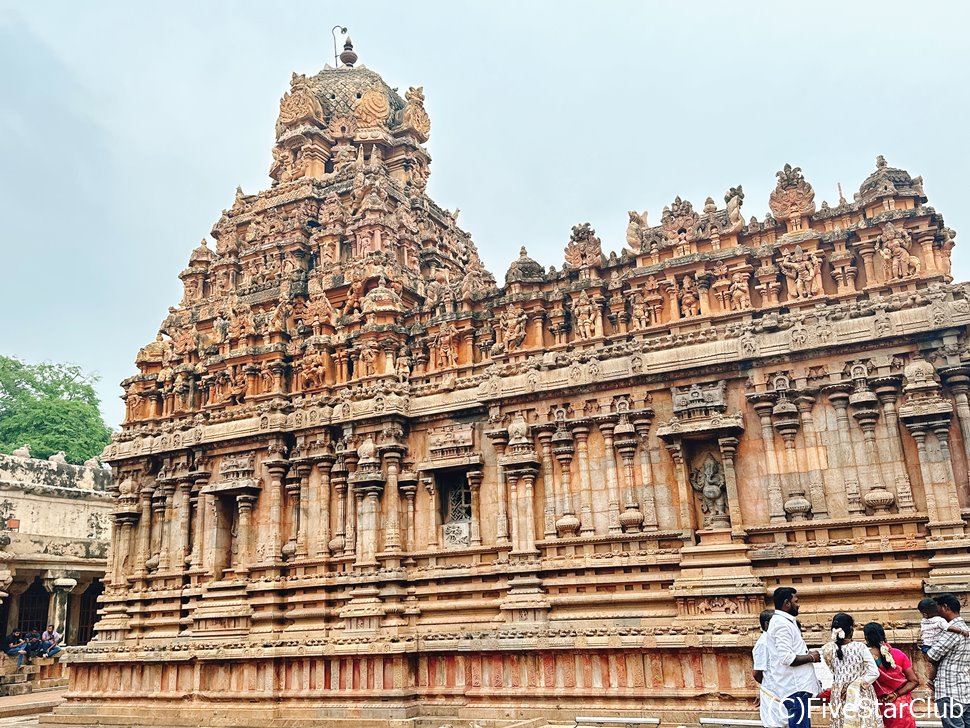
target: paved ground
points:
(13, 707)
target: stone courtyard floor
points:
(25, 709)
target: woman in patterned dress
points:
(854, 670)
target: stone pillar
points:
(528, 512)
(291, 492)
(474, 485)
(428, 484)
(168, 546)
(729, 449)
(244, 533)
(544, 434)
(185, 522)
(648, 499)
(198, 528)
(813, 448)
(580, 430)
(687, 520)
(144, 531)
(864, 401)
(567, 525)
(957, 379)
(500, 439)
(948, 483)
(338, 543)
(514, 514)
(932, 508)
(303, 512)
(786, 422)
(839, 399)
(392, 500)
(359, 525)
(368, 555)
(272, 544)
(887, 390)
(210, 541)
(60, 589)
(322, 511)
(612, 487)
(763, 405)
(625, 443)
(409, 490)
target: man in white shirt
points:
(772, 708)
(790, 662)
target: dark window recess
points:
(88, 612)
(34, 603)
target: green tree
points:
(50, 407)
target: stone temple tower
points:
(359, 483)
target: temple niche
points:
(357, 478)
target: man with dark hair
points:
(790, 661)
(951, 655)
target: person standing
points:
(790, 662)
(771, 707)
(854, 670)
(896, 682)
(951, 655)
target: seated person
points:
(51, 640)
(34, 645)
(15, 644)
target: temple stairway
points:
(43, 673)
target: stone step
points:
(15, 689)
(48, 683)
(17, 677)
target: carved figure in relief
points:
(446, 346)
(314, 370)
(584, 313)
(267, 378)
(402, 365)
(414, 114)
(802, 270)
(738, 292)
(639, 313)
(22, 452)
(58, 457)
(635, 229)
(512, 324)
(689, 297)
(734, 198)
(300, 103)
(320, 313)
(894, 247)
(234, 387)
(368, 360)
(354, 295)
(708, 481)
(584, 248)
(682, 244)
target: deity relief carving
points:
(734, 197)
(584, 316)
(584, 249)
(707, 480)
(738, 292)
(300, 103)
(894, 246)
(635, 230)
(512, 325)
(801, 269)
(689, 297)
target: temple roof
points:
(340, 90)
(889, 181)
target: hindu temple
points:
(363, 482)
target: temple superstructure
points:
(359, 480)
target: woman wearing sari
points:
(896, 682)
(854, 670)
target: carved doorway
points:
(456, 508)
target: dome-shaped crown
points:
(524, 269)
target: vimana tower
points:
(359, 483)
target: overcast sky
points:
(125, 128)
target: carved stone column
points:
(338, 544)
(474, 485)
(60, 589)
(513, 480)
(392, 510)
(324, 467)
(838, 396)
(198, 528)
(580, 429)
(813, 448)
(157, 530)
(292, 493)
(957, 379)
(567, 525)
(785, 416)
(626, 444)
(648, 498)
(528, 513)
(887, 390)
(544, 434)
(185, 521)
(687, 519)
(612, 487)
(863, 401)
(168, 546)
(429, 487)
(244, 502)
(272, 545)
(355, 499)
(144, 531)
(499, 440)
(763, 405)
(303, 510)
(729, 449)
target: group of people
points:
(872, 681)
(32, 643)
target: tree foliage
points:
(50, 407)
